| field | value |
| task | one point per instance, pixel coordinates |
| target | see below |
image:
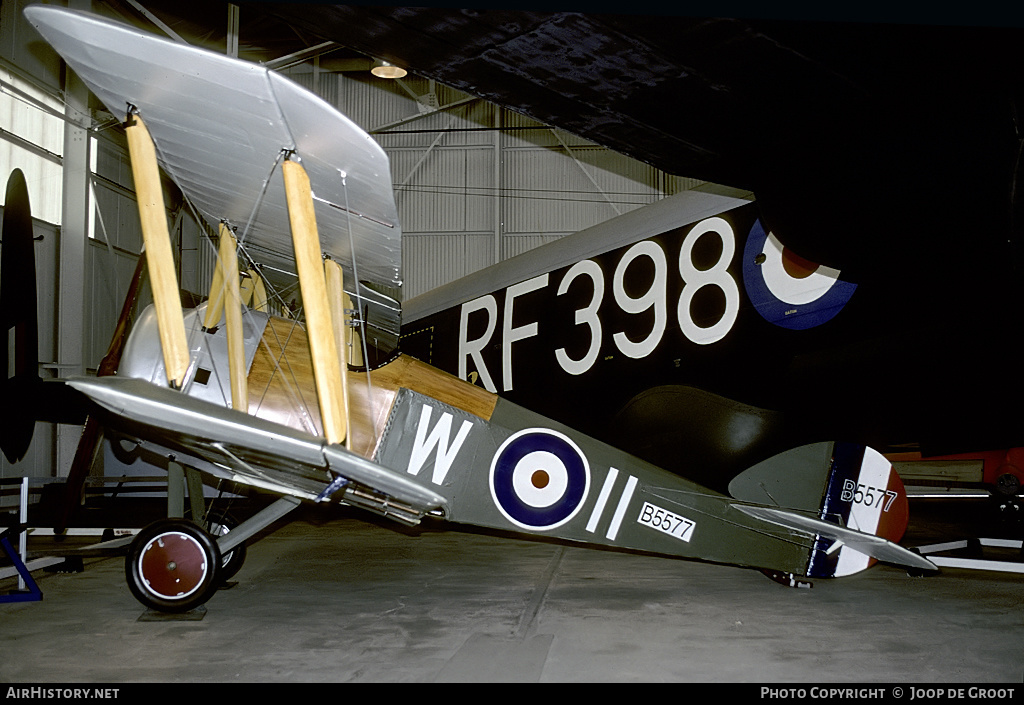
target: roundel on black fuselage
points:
(786, 289)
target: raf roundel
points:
(788, 290)
(539, 479)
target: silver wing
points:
(220, 126)
(241, 448)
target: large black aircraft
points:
(884, 146)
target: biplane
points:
(324, 407)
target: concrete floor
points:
(331, 597)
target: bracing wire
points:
(358, 297)
(279, 361)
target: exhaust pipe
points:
(380, 503)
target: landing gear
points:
(173, 566)
(232, 560)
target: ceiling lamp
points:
(384, 69)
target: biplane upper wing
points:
(221, 125)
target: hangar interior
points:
(347, 598)
(474, 183)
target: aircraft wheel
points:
(231, 562)
(1007, 484)
(172, 566)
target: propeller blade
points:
(18, 315)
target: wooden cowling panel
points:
(281, 387)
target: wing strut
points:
(313, 285)
(259, 292)
(215, 301)
(159, 258)
(336, 301)
(254, 293)
(228, 260)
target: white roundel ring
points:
(539, 479)
(788, 290)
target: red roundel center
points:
(795, 265)
(540, 479)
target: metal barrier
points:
(27, 590)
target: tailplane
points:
(847, 494)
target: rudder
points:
(845, 484)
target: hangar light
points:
(384, 69)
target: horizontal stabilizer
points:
(870, 545)
(845, 485)
(250, 451)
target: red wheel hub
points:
(173, 565)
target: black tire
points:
(1007, 484)
(173, 566)
(231, 562)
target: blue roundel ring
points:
(539, 479)
(812, 301)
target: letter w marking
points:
(438, 437)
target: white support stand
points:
(121, 537)
(23, 542)
(23, 519)
(974, 563)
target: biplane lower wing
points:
(247, 450)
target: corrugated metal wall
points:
(476, 184)
(116, 241)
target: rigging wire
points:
(288, 378)
(626, 198)
(359, 298)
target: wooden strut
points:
(215, 301)
(313, 286)
(246, 289)
(254, 292)
(259, 292)
(159, 258)
(227, 261)
(336, 301)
